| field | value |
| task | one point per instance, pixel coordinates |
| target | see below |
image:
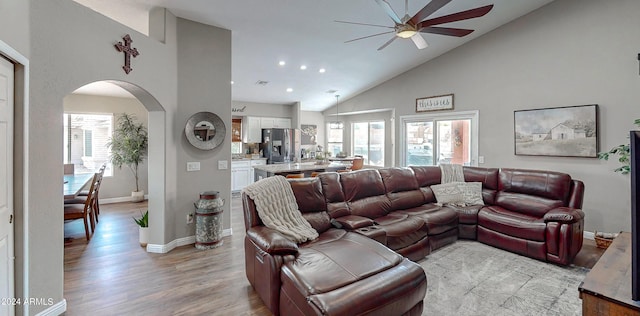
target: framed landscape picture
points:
(570, 131)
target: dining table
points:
(73, 184)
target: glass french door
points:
(368, 142)
(436, 139)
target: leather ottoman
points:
(344, 273)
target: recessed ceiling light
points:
(289, 90)
(282, 63)
(303, 67)
(322, 70)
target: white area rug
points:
(471, 278)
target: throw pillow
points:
(471, 192)
(448, 193)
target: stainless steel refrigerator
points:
(280, 145)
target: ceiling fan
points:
(411, 27)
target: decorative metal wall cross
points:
(128, 52)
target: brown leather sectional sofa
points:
(371, 221)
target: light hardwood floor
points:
(113, 275)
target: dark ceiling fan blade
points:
(419, 41)
(347, 22)
(428, 10)
(464, 15)
(389, 10)
(446, 31)
(387, 43)
(359, 38)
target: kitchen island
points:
(284, 169)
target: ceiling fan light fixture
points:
(406, 33)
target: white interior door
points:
(6, 188)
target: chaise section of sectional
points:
(338, 273)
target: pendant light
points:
(337, 124)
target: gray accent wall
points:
(569, 52)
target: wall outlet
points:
(223, 164)
(190, 218)
(480, 159)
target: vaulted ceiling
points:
(303, 32)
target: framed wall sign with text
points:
(436, 103)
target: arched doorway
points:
(116, 97)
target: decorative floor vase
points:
(209, 220)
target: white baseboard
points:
(55, 309)
(155, 248)
(589, 235)
(119, 199)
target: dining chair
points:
(358, 163)
(84, 211)
(295, 175)
(69, 168)
(82, 196)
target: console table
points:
(606, 290)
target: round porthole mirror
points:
(205, 130)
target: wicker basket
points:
(602, 242)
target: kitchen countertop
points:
(292, 167)
(247, 159)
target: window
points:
(334, 137)
(236, 136)
(85, 141)
(440, 138)
(368, 142)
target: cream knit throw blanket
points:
(451, 173)
(277, 208)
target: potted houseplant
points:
(624, 151)
(143, 228)
(128, 147)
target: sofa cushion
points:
(438, 219)
(311, 203)
(511, 223)
(337, 259)
(526, 204)
(333, 195)
(402, 188)
(467, 214)
(402, 230)
(364, 192)
(546, 184)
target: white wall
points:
(122, 182)
(570, 52)
(242, 108)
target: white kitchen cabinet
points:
(275, 122)
(240, 173)
(267, 122)
(282, 123)
(252, 129)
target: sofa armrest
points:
(352, 222)
(271, 241)
(564, 215)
